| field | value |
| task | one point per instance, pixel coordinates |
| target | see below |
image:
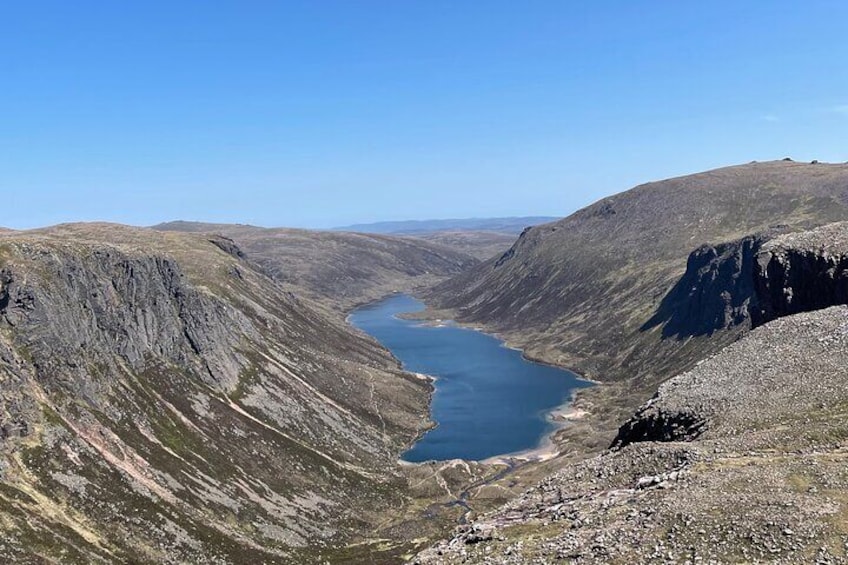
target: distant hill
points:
(480, 244)
(413, 227)
(336, 268)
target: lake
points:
(489, 400)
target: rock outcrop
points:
(748, 282)
(800, 272)
(715, 293)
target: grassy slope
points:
(576, 292)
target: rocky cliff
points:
(748, 282)
(717, 291)
(164, 401)
(739, 285)
(800, 272)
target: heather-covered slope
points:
(579, 292)
(163, 401)
(339, 268)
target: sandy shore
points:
(547, 449)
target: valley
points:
(197, 392)
(424, 283)
(165, 399)
(741, 459)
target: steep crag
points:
(715, 293)
(801, 272)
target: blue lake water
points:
(489, 400)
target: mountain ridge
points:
(163, 399)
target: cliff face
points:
(782, 275)
(756, 279)
(802, 272)
(715, 293)
(164, 401)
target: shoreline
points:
(547, 449)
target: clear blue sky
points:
(320, 113)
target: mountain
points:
(740, 459)
(340, 269)
(416, 227)
(591, 291)
(164, 400)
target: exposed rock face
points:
(801, 272)
(744, 283)
(655, 423)
(164, 401)
(756, 279)
(146, 308)
(715, 293)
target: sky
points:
(324, 113)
